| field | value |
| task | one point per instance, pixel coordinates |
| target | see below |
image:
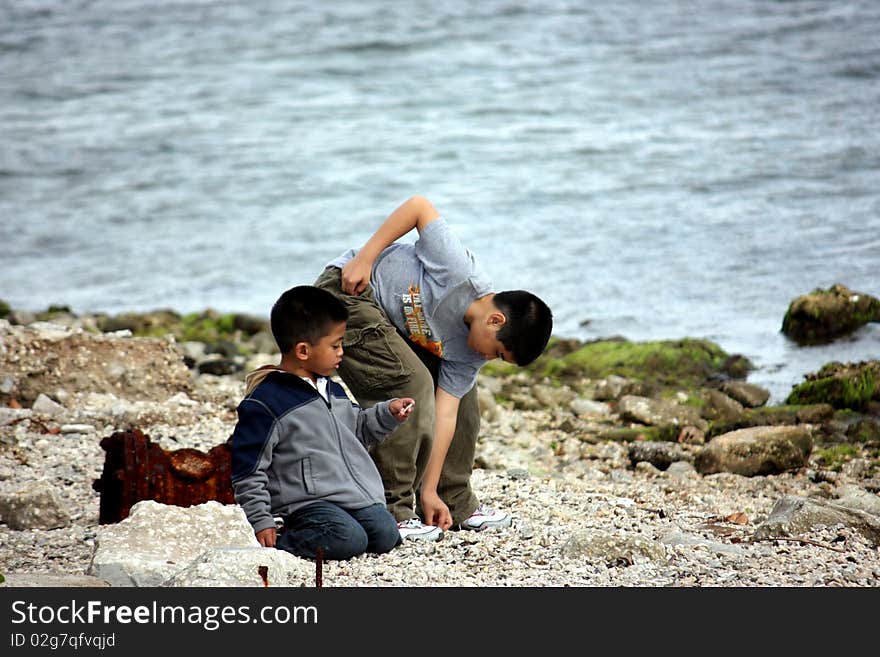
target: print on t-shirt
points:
(416, 324)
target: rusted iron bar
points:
(319, 567)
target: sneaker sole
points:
(434, 536)
(489, 524)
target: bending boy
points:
(299, 448)
(423, 319)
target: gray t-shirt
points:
(425, 289)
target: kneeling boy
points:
(299, 448)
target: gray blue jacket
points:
(290, 448)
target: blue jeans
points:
(342, 534)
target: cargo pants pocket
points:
(370, 358)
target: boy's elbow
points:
(423, 209)
(419, 201)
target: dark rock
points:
(250, 324)
(746, 394)
(226, 348)
(719, 407)
(823, 315)
(815, 413)
(219, 367)
(757, 451)
(773, 416)
(659, 454)
(627, 434)
(865, 430)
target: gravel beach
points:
(584, 515)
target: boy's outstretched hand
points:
(435, 511)
(402, 408)
(266, 537)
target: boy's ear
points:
(301, 350)
(496, 319)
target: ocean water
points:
(653, 171)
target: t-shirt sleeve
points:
(442, 255)
(457, 378)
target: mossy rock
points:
(823, 315)
(864, 430)
(833, 457)
(841, 385)
(756, 451)
(208, 326)
(686, 362)
(630, 434)
(151, 324)
(773, 416)
(53, 311)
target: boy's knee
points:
(386, 537)
(387, 541)
(352, 546)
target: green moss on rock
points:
(630, 434)
(835, 456)
(824, 315)
(670, 362)
(841, 386)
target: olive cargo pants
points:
(378, 364)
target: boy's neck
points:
(290, 364)
(479, 308)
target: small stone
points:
(77, 428)
(47, 406)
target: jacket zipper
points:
(341, 450)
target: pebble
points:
(77, 428)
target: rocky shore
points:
(623, 464)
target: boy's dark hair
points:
(528, 327)
(305, 314)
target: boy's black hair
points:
(528, 327)
(305, 314)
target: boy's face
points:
(325, 356)
(483, 338)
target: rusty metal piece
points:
(319, 567)
(136, 469)
(33, 420)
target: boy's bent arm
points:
(416, 212)
(445, 416)
(375, 423)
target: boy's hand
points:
(266, 537)
(435, 511)
(356, 275)
(402, 408)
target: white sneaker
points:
(484, 518)
(415, 529)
